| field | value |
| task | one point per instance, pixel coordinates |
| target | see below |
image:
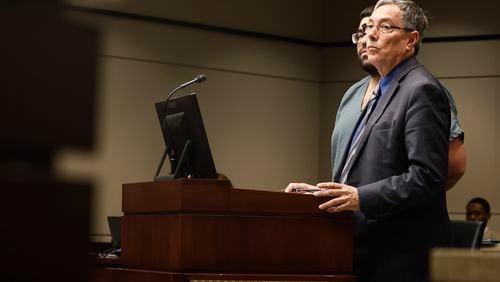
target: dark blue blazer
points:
(400, 171)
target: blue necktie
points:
(357, 134)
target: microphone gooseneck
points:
(199, 79)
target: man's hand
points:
(345, 197)
(300, 188)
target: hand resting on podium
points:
(343, 197)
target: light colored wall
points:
(290, 18)
(268, 106)
(259, 105)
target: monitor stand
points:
(178, 169)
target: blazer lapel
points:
(384, 102)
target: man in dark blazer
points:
(395, 168)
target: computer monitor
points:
(185, 139)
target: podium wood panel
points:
(102, 274)
(208, 226)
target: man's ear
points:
(413, 40)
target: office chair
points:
(467, 234)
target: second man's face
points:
(362, 51)
(361, 45)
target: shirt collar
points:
(386, 81)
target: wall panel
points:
(259, 105)
(291, 18)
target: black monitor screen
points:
(185, 138)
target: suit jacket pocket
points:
(384, 133)
(388, 124)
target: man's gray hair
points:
(412, 15)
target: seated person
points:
(478, 209)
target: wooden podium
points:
(206, 226)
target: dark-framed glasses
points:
(384, 28)
(355, 37)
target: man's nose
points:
(372, 33)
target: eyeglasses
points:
(384, 28)
(355, 37)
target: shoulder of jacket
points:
(355, 87)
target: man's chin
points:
(369, 68)
(365, 64)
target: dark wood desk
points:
(183, 230)
(110, 270)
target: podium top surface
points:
(215, 196)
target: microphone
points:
(199, 79)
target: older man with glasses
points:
(393, 174)
(394, 170)
(356, 97)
